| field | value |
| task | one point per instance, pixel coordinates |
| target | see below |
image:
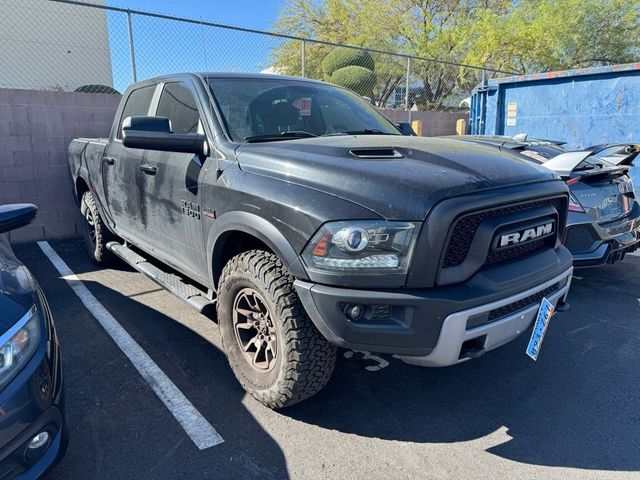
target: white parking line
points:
(192, 421)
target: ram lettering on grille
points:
(526, 235)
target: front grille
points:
(465, 228)
(580, 238)
(500, 256)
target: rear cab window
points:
(178, 104)
(137, 104)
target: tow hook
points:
(562, 306)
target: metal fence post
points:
(406, 92)
(204, 48)
(119, 76)
(132, 51)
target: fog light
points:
(39, 440)
(354, 311)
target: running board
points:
(171, 282)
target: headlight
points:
(362, 247)
(18, 345)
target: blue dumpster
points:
(582, 107)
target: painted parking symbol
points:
(380, 363)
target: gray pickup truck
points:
(301, 219)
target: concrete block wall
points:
(434, 124)
(36, 128)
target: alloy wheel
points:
(91, 225)
(254, 330)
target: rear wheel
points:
(96, 234)
(274, 349)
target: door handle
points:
(109, 160)
(148, 169)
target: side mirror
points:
(406, 129)
(16, 216)
(154, 133)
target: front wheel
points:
(274, 349)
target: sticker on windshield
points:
(303, 105)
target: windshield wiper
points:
(272, 137)
(365, 131)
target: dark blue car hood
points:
(17, 289)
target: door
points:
(171, 198)
(121, 173)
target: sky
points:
(259, 14)
(164, 46)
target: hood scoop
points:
(373, 153)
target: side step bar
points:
(190, 294)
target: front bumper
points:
(594, 245)
(32, 403)
(16, 466)
(444, 325)
(455, 334)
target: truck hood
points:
(407, 177)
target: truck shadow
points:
(578, 406)
(118, 428)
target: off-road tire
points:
(95, 233)
(304, 360)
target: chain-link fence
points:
(93, 47)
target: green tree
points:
(339, 21)
(514, 35)
(547, 35)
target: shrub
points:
(97, 89)
(359, 79)
(341, 57)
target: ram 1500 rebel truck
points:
(302, 220)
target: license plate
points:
(545, 312)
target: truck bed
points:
(82, 153)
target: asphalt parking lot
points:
(573, 414)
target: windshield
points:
(266, 109)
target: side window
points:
(137, 104)
(178, 105)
